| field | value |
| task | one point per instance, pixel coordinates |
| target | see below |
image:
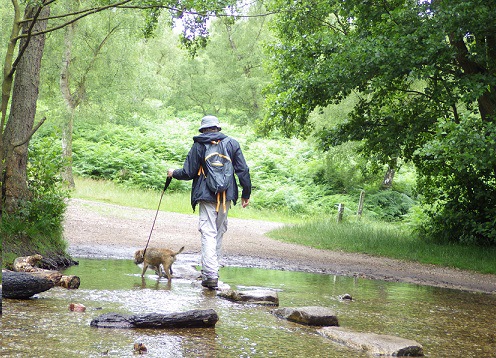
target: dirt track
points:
(95, 229)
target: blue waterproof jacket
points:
(195, 158)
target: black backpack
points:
(217, 169)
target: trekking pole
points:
(167, 182)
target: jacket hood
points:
(208, 137)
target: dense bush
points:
(459, 186)
(288, 175)
(39, 221)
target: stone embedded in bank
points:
(311, 315)
(372, 343)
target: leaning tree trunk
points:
(72, 101)
(19, 128)
(73, 98)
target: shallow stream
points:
(448, 323)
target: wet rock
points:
(77, 307)
(259, 297)
(311, 316)
(189, 319)
(374, 344)
(346, 297)
(140, 348)
(22, 285)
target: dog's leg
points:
(145, 266)
(168, 271)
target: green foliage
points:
(37, 225)
(464, 181)
(389, 205)
(414, 66)
(288, 175)
(227, 75)
(135, 156)
(344, 170)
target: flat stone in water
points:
(259, 297)
(311, 315)
(372, 343)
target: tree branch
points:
(122, 5)
(33, 131)
(83, 13)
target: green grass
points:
(374, 238)
(387, 240)
(179, 202)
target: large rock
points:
(372, 343)
(259, 297)
(22, 285)
(190, 319)
(311, 315)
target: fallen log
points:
(22, 285)
(29, 264)
(189, 319)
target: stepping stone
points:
(259, 297)
(311, 315)
(372, 343)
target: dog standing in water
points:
(154, 257)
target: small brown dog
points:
(154, 257)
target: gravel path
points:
(95, 229)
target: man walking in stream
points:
(214, 200)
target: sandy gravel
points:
(95, 229)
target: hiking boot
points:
(210, 282)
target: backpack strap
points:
(224, 207)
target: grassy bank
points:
(382, 239)
(374, 238)
(178, 202)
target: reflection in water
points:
(447, 323)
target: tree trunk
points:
(387, 182)
(19, 127)
(73, 98)
(71, 102)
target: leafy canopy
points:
(425, 76)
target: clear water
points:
(448, 323)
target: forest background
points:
(123, 91)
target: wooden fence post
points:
(340, 212)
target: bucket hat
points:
(208, 122)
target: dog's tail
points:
(180, 250)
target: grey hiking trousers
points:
(212, 226)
